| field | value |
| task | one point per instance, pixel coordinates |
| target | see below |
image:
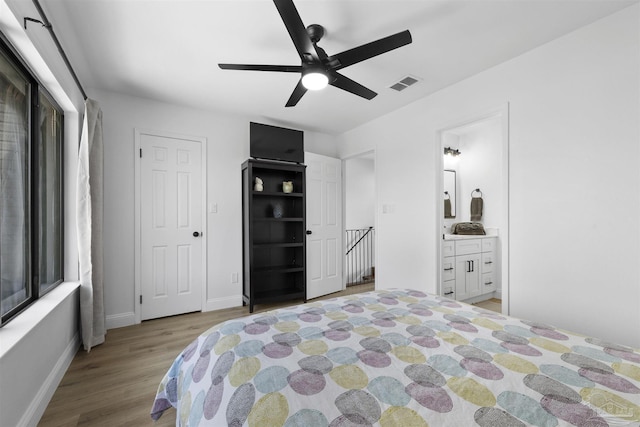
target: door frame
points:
(501, 111)
(369, 152)
(137, 212)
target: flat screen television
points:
(276, 143)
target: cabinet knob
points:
(196, 234)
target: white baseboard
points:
(120, 320)
(39, 404)
(220, 303)
(498, 294)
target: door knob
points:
(196, 234)
(309, 232)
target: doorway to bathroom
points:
(473, 200)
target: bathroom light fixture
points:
(451, 151)
(314, 79)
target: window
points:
(31, 193)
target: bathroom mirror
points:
(449, 196)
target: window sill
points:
(22, 324)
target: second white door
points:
(171, 226)
(324, 223)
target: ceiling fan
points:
(318, 69)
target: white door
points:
(171, 226)
(324, 222)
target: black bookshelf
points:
(274, 233)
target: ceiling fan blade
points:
(296, 95)
(349, 85)
(291, 18)
(250, 67)
(369, 50)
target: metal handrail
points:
(359, 240)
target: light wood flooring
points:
(114, 384)
(493, 304)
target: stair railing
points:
(360, 256)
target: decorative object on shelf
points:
(277, 210)
(287, 186)
(258, 184)
(476, 205)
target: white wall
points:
(227, 147)
(574, 199)
(32, 368)
(360, 194)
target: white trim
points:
(503, 112)
(504, 234)
(20, 327)
(120, 320)
(221, 303)
(137, 235)
(39, 404)
(137, 199)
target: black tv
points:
(276, 143)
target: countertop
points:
(491, 232)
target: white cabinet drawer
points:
(448, 248)
(488, 262)
(468, 246)
(448, 268)
(488, 283)
(488, 245)
(448, 288)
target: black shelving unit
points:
(274, 229)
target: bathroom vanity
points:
(469, 268)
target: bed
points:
(398, 358)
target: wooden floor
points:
(115, 384)
(493, 304)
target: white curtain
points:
(89, 219)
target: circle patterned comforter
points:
(398, 358)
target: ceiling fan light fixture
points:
(315, 80)
(318, 69)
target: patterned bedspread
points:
(398, 358)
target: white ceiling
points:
(168, 50)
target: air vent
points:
(404, 83)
